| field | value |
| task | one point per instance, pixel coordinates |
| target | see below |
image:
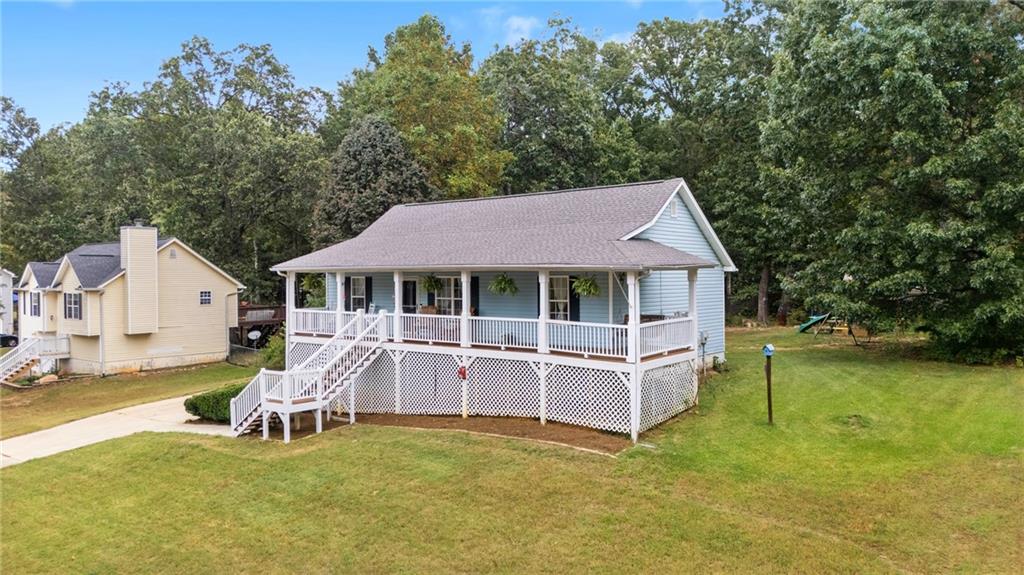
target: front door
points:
(409, 296)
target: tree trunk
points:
(782, 317)
(762, 295)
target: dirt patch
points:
(506, 426)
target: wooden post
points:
(768, 380)
(543, 373)
(464, 320)
(399, 293)
(633, 326)
(542, 317)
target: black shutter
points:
(474, 295)
(369, 293)
(536, 290)
(574, 301)
(348, 293)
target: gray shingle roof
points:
(94, 264)
(579, 228)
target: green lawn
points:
(876, 464)
(34, 409)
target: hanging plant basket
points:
(432, 283)
(586, 286)
(502, 284)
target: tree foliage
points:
(370, 172)
(425, 87)
(901, 128)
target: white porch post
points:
(611, 297)
(398, 306)
(339, 304)
(289, 303)
(464, 322)
(633, 326)
(542, 317)
(692, 311)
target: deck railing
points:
(432, 328)
(603, 339)
(504, 332)
(54, 345)
(314, 321)
(583, 338)
(665, 336)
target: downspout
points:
(103, 367)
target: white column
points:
(464, 322)
(692, 311)
(398, 306)
(611, 297)
(289, 303)
(339, 305)
(633, 326)
(542, 317)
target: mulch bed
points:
(507, 426)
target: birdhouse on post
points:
(769, 351)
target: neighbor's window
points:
(558, 297)
(449, 299)
(35, 305)
(72, 306)
(205, 298)
(358, 292)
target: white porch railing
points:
(56, 346)
(503, 332)
(16, 359)
(604, 339)
(665, 336)
(431, 328)
(315, 321)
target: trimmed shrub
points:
(214, 405)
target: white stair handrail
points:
(249, 401)
(14, 360)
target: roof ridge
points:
(532, 194)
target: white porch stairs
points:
(315, 384)
(29, 353)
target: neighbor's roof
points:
(580, 228)
(94, 264)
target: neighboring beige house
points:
(144, 302)
(6, 301)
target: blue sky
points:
(54, 54)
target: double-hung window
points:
(449, 299)
(205, 297)
(72, 306)
(34, 304)
(558, 297)
(358, 297)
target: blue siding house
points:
(590, 306)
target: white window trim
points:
(35, 305)
(455, 283)
(209, 297)
(552, 300)
(353, 296)
(69, 306)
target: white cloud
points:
(491, 16)
(635, 3)
(619, 37)
(519, 27)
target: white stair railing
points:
(16, 359)
(310, 380)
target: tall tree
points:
(555, 128)
(901, 128)
(370, 172)
(425, 87)
(703, 87)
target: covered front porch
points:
(462, 308)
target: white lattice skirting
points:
(427, 383)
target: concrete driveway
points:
(164, 415)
